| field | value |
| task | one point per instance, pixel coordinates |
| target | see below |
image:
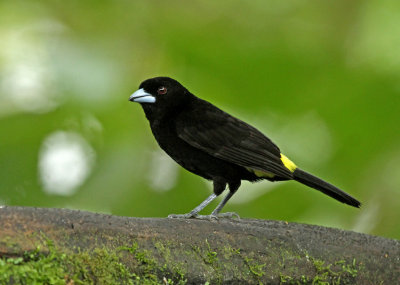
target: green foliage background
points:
(320, 78)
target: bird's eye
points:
(162, 90)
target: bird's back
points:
(188, 156)
(221, 135)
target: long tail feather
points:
(326, 188)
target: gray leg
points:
(219, 186)
(196, 210)
(222, 204)
(233, 187)
(216, 212)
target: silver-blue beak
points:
(141, 96)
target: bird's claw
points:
(229, 215)
(207, 217)
(212, 217)
(193, 216)
(182, 216)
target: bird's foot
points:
(229, 215)
(193, 216)
(207, 217)
(183, 216)
(212, 217)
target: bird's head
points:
(160, 95)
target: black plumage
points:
(215, 145)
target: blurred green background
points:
(322, 79)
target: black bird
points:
(217, 146)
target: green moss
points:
(146, 266)
(229, 252)
(150, 269)
(166, 264)
(255, 269)
(177, 269)
(11, 245)
(100, 266)
(210, 258)
(339, 272)
(56, 267)
(208, 255)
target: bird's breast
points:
(167, 138)
(191, 158)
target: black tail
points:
(326, 188)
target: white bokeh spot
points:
(164, 172)
(65, 161)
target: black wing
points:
(223, 136)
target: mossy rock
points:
(53, 246)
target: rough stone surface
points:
(227, 251)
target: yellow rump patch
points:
(288, 163)
(260, 173)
